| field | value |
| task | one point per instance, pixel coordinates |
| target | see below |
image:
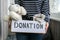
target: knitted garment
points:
(36, 6)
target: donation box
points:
(26, 26)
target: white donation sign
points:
(26, 26)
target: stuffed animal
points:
(15, 12)
(39, 17)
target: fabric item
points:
(36, 6)
(32, 36)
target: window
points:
(54, 6)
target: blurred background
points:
(53, 32)
(0, 20)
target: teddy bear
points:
(39, 17)
(15, 13)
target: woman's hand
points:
(46, 26)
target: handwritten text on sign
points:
(28, 26)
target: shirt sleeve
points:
(45, 10)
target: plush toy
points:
(39, 17)
(15, 12)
